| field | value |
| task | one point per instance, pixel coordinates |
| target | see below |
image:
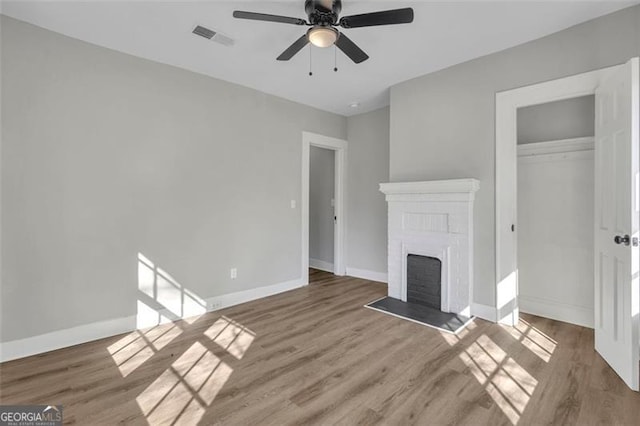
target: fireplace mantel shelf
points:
(447, 186)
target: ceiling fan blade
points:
(294, 48)
(269, 18)
(387, 17)
(350, 49)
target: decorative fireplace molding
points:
(433, 218)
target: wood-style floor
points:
(316, 356)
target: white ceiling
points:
(442, 34)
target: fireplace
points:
(431, 229)
(424, 280)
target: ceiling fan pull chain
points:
(335, 58)
(310, 72)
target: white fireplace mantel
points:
(433, 218)
(449, 189)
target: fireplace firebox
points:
(424, 274)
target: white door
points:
(616, 222)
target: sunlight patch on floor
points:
(137, 347)
(533, 339)
(453, 339)
(231, 336)
(184, 391)
(508, 383)
(186, 388)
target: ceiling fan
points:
(323, 18)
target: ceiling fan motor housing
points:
(320, 14)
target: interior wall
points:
(443, 124)
(106, 156)
(566, 119)
(321, 212)
(368, 166)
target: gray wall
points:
(1, 132)
(368, 136)
(567, 119)
(105, 156)
(442, 124)
(321, 188)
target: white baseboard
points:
(484, 311)
(98, 330)
(558, 311)
(509, 313)
(321, 265)
(232, 299)
(367, 275)
(63, 338)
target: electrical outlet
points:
(293, 204)
(214, 306)
(333, 202)
(234, 273)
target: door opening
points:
(616, 207)
(555, 210)
(322, 216)
(338, 148)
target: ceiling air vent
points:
(213, 35)
(204, 32)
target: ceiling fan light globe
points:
(322, 36)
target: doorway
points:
(507, 105)
(322, 216)
(555, 210)
(616, 206)
(338, 151)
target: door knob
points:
(618, 239)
